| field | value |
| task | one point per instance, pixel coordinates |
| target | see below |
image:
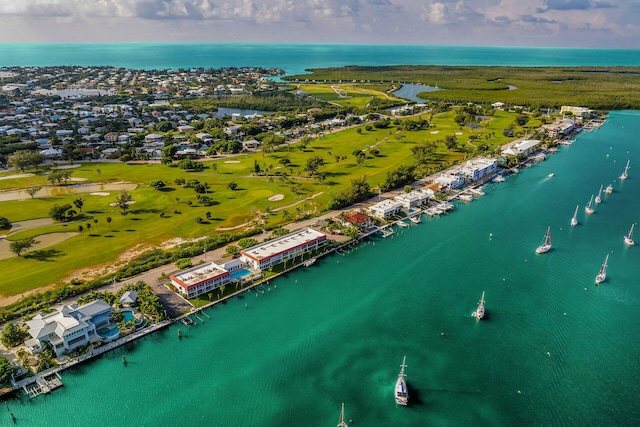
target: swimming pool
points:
(240, 274)
(128, 315)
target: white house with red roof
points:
(200, 279)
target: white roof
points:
(282, 244)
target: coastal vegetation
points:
(330, 145)
(312, 176)
(599, 88)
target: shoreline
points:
(194, 311)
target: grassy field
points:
(158, 216)
(349, 95)
(606, 88)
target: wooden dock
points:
(43, 384)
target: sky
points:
(563, 23)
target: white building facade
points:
(386, 209)
(200, 279)
(67, 327)
(277, 251)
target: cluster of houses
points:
(56, 106)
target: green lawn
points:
(157, 216)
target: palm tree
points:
(108, 219)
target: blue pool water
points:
(239, 274)
(128, 316)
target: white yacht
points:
(479, 313)
(401, 392)
(574, 219)
(342, 422)
(608, 190)
(602, 274)
(589, 208)
(598, 198)
(624, 174)
(546, 242)
(628, 239)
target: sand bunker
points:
(434, 132)
(232, 161)
(115, 204)
(276, 197)
(99, 193)
(458, 133)
(77, 179)
(21, 175)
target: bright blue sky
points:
(571, 23)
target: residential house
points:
(68, 327)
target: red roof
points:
(358, 218)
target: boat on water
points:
(628, 239)
(608, 190)
(341, 421)
(309, 262)
(477, 191)
(415, 219)
(589, 208)
(550, 175)
(465, 197)
(401, 392)
(479, 313)
(624, 174)
(545, 246)
(598, 198)
(602, 274)
(574, 219)
(498, 178)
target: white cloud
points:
(436, 13)
(359, 21)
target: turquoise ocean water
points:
(554, 350)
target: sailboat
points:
(628, 239)
(546, 242)
(608, 190)
(598, 197)
(479, 313)
(624, 174)
(341, 422)
(602, 274)
(401, 392)
(574, 220)
(589, 208)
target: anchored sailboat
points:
(546, 242)
(602, 274)
(608, 190)
(589, 208)
(574, 220)
(342, 422)
(479, 313)
(401, 392)
(628, 239)
(624, 174)
(598, 197)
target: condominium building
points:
(277, 251)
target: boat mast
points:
(547, 242)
